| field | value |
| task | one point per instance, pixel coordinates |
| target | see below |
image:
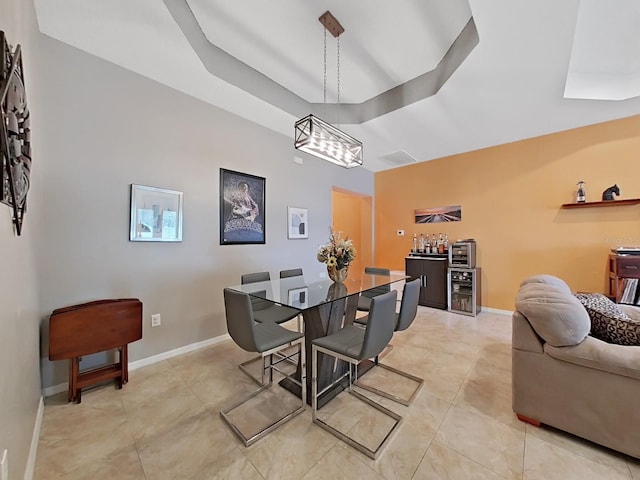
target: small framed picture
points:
(297, 222)
(298, 297)
(451, 213)
(156, 214)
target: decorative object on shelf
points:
(338, 255)
(317, 137)
(607, 195)
(297, 222)
(156, 214)
(15, 133)
(451, 213)
(581, 195)
(242, 208)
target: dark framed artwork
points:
(242, 208)
(15, 133)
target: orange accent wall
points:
(511, 196)
(352, 214)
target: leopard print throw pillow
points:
(608, 322)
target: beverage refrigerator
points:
(464, 290)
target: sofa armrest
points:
(523, 337)
(593, 353)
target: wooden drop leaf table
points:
(91, 328)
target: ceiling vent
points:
(398, 158)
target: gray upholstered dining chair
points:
(294, 272)
(403, 320)
(265, 338)
(353, 344)
(265, 311)
(364, 301)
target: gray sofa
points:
(567, 379)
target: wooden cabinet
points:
(432, 272)
(621, 269)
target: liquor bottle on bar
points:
(434, 244)
(440, 245)
(414, 248)
(421, 244)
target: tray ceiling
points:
(537, 68)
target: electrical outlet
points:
(323, 274)
(4, 465)
(156, 321)
(401, 233)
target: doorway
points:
(352, 214)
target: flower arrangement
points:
(338, 253)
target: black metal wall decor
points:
(15, 133)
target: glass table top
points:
(297, 293)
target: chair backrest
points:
(409, 304)
(380, 326)
(247, 278)
(381, 289)
(240, 322)
(294, 272)
(255, 277)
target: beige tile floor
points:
(165, 424)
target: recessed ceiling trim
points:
(235, 72)
(422, 86)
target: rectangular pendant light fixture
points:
(318, 138)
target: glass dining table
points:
(325, 307)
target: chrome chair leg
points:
(243, 366)
(225, 414)
(337, 433)
(403, 401)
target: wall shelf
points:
(608, 203)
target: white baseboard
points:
(177, 351)
(143, 362)
(496, 310)
(54, 389)
(35, 437)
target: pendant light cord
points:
(324, 86)
(338, 56)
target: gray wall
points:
(19, 309)
(106, 128)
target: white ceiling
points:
(605, 63)
(536, 69)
